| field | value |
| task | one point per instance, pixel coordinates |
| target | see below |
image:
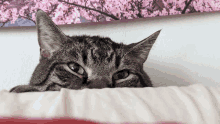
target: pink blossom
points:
(70, 11)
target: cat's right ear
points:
(50, 37)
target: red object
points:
(59, 121)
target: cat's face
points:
(87, 61)
(94, 62)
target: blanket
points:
(194, 104)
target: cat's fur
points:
(79, 62)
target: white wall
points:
(186, 51)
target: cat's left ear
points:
(140, 50)
(50, 37)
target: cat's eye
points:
(121, 75)
(76, 68)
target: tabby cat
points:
(79, 62)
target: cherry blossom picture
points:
(22, 12)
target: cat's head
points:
(87, 61)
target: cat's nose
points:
(99, 83)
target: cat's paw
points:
(23, 88)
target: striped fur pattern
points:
(79, 62)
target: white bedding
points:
(195, 104)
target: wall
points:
(186, 51)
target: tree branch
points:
(4, 1)
(53, 9)
(187, 5)
(4, 23)
(139, 6)
(106, 14)
(159, 4)
(29, 19)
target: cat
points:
(79, 62)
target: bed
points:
(184, 75)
